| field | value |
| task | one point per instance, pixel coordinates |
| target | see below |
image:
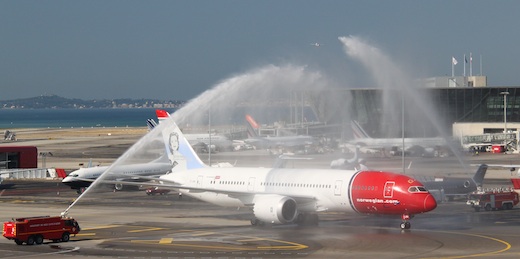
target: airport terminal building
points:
(459, 110)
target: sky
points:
(175, 50)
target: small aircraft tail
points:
(180, 153)
(162, 114)
(252, 127)
(151, 124)
(478, 178)
(358, 131)
(516, 183)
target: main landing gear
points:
(307, 219)
(405, 224)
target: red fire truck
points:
(33, 230)
(493, 200)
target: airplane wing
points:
(512, 167)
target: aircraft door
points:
(389, 190)
(337, 187)
(251, 184)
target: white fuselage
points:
(77, 178)
(238, 187)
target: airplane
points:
(414, 146)
(284, 196)
(82, 178)
(441, 187)
(316, 44)
(213, 141)
(353, 162)
(452, 187)
(286, 142)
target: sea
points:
(75, 118)
(121, 117)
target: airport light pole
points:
(402, 132)
(44, 155)
(209, 126)
(505, 110)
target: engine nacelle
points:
(275, 209)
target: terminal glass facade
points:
(450, 105)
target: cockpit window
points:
(413, 189)
(73, 175)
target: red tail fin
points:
(516, 183)
(162, 114)
(252, 122)
(61, 173)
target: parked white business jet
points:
(280, 195)
(83, 177)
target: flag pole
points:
(453, 63)
(452, 67)
(464, 65)
(481, 65)
(470, 64)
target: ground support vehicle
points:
(156, 190)
(33, 230)
(493, 200)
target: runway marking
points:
(203, 234)
(87, 234)
(144, 230)
(283, 245)
(166, 241)
(508, 246)
(100, 227)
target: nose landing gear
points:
(405, 224)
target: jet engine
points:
(275, 209)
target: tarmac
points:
(134, 225)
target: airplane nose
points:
(429, 203)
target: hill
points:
(57, 102)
